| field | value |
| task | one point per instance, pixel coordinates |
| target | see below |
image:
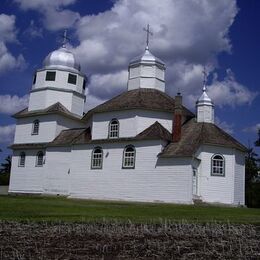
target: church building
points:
(142, 145)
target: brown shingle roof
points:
(150, 99)
(82, 136)
(55, 108)
(195, 134)
(28, 146)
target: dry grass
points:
(116, 240)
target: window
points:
(217, 165)
(35, 127)
(97, 158)
(72, 79)
(50, 76)
(113, 131)
(129, 157)
(34, 78)
(22, 159)
(39, 159)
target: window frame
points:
(113, 131)
(124, 166)
(20, 159)
(98, 167)
(50, 78)
(72, 75)
(36, 121)
(34, 78)
(218, 166)
(37, 159)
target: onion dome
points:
(61, 58)
(204, 98)
(146, 58)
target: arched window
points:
(217, 165)
(39, 158)
(22, 159)
(129, 157)
(97, 158)
(113, 131)
(35, 127)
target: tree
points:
(257, 142)
(6, 166)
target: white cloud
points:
(252, 129)
(34, 31)
(12, 104)
(55, 17)
(109, 40)
(227, 127)
(8, 35)
(7, 133)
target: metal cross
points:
(205, 75)
(148, 33)
(65, 39)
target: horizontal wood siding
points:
(216, 189)
(151, 180)
(239, 188)
(28, 179)
(57, 170)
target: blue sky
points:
(222, 35)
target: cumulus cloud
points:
(227, 127)
(12, 104)
(7, 133)
(8, 35)
(109, 40)
(34, 31)
(252, 129)
(55, 16)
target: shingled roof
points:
(195, 134)
(83, 136)
(142, 98)
(28, 146)
(56, 108)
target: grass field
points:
(38, 208)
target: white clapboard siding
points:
(151, 180)
(131, 122)
(57, 170)
(216, 188)
(239, 186)
(28, 179)
(47, 129)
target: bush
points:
(4, 178)
(253, 195)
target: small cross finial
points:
(65, 39)
(148, 33)
(204, 72)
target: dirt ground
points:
(114, 240)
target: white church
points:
(141, 145)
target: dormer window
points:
(35, 127)
(72, 79)
(113, 131)
(50, 76)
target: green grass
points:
(39, 208)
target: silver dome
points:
(61, 59)
(146, 58)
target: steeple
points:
(146, 70)
(205, 107)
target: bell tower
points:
(59, 80)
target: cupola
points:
(146, 70)
(59, 80)
(205, 107)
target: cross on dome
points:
(65, 39)
(205, 75)
(148, 33)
